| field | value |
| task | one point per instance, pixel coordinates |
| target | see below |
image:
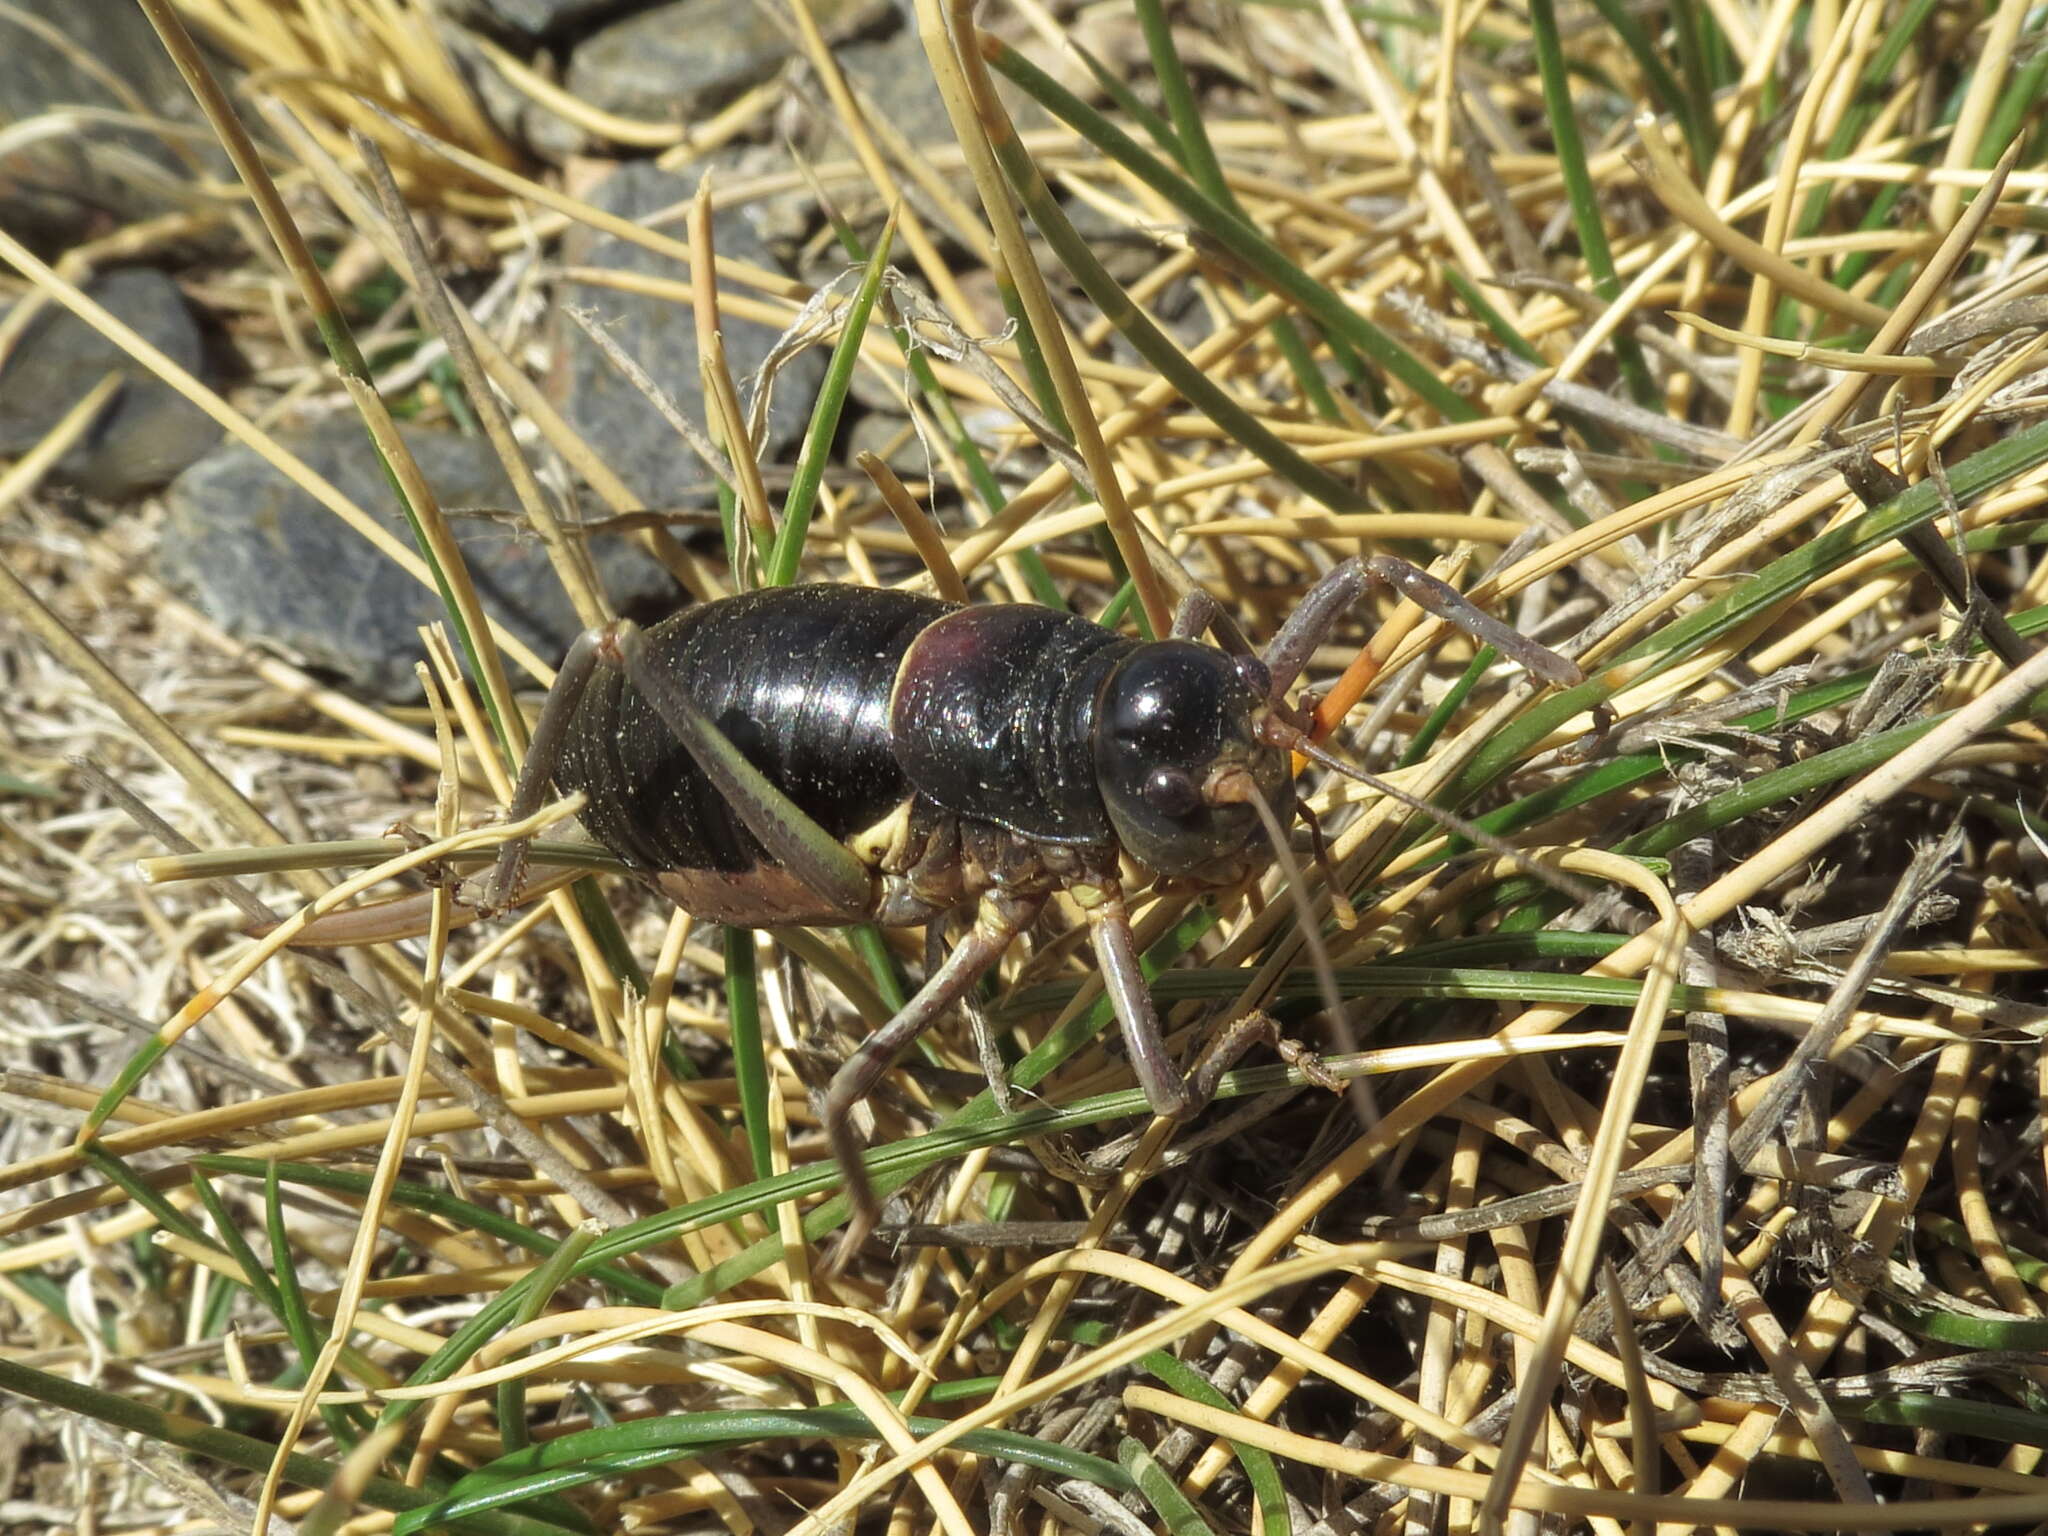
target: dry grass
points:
(1717, 1199)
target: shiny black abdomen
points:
(799, 678)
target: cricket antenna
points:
(1318, 955)
(1294, 739)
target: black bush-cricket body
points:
(1035, 729)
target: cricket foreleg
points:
(997, 922)
(1327, 601)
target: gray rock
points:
(893, 76)
(537, 18)
(661, 336)
(83, 177)
(265, 561)
(685, 60)
(510, 109)
(1127, 253)
(890, 439)
(149, 432)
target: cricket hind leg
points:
(823, 864)
(543, 753)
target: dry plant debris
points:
(1703, 341)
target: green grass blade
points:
(2017, 103)
(1483, 309)
(1157, 348)
(1259, 1469)
(1197, 155)
(867, 942)
(1950, 1416)
(1391, 981)
(1157, 128)
(248, 1452)
(539, 1291)
(749, 1053)
(817, 449)
(1682, 104)
(987, 489)
(1420, 744)
(2028, 1334)
(1899, 33)
(587, 1456)
(1756, 597)
(1578, 183)
(160, 1210)
(443, 1206)
(1790, 573)
(346, 1426)
(1239, 238)
(1158, 1488)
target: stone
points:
(510, 110)
(782, 222)
(1126, 253)
(538, 18)
(682, 61)
(890, 439)
(266, 562)
(893, 75)
(661, 335)
(82, 177)
(149, 431)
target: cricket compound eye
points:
(1172, 792)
